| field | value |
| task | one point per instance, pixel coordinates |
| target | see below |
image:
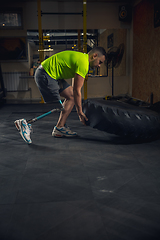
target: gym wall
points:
(146, 52)
(99, 16)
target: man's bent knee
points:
(68, 93)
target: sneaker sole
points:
(17, 126)
(61, 136)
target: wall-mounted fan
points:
(114, 58)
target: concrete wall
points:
(99, 16)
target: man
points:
(50, 77)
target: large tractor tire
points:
(122, 119)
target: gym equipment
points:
(122, 118)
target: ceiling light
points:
(45, 50)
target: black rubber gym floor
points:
(94, 187)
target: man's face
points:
(96, 60)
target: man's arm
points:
(78, 83)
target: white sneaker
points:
(24, 129)
(63, 132)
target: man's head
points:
(97, 56)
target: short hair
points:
(99, 50)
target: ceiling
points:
(88, 1)
(122, 1)
(62, 39)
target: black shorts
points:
(49, 87)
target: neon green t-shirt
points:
(64, 65)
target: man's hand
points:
(82, 118)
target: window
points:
(10, 18)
